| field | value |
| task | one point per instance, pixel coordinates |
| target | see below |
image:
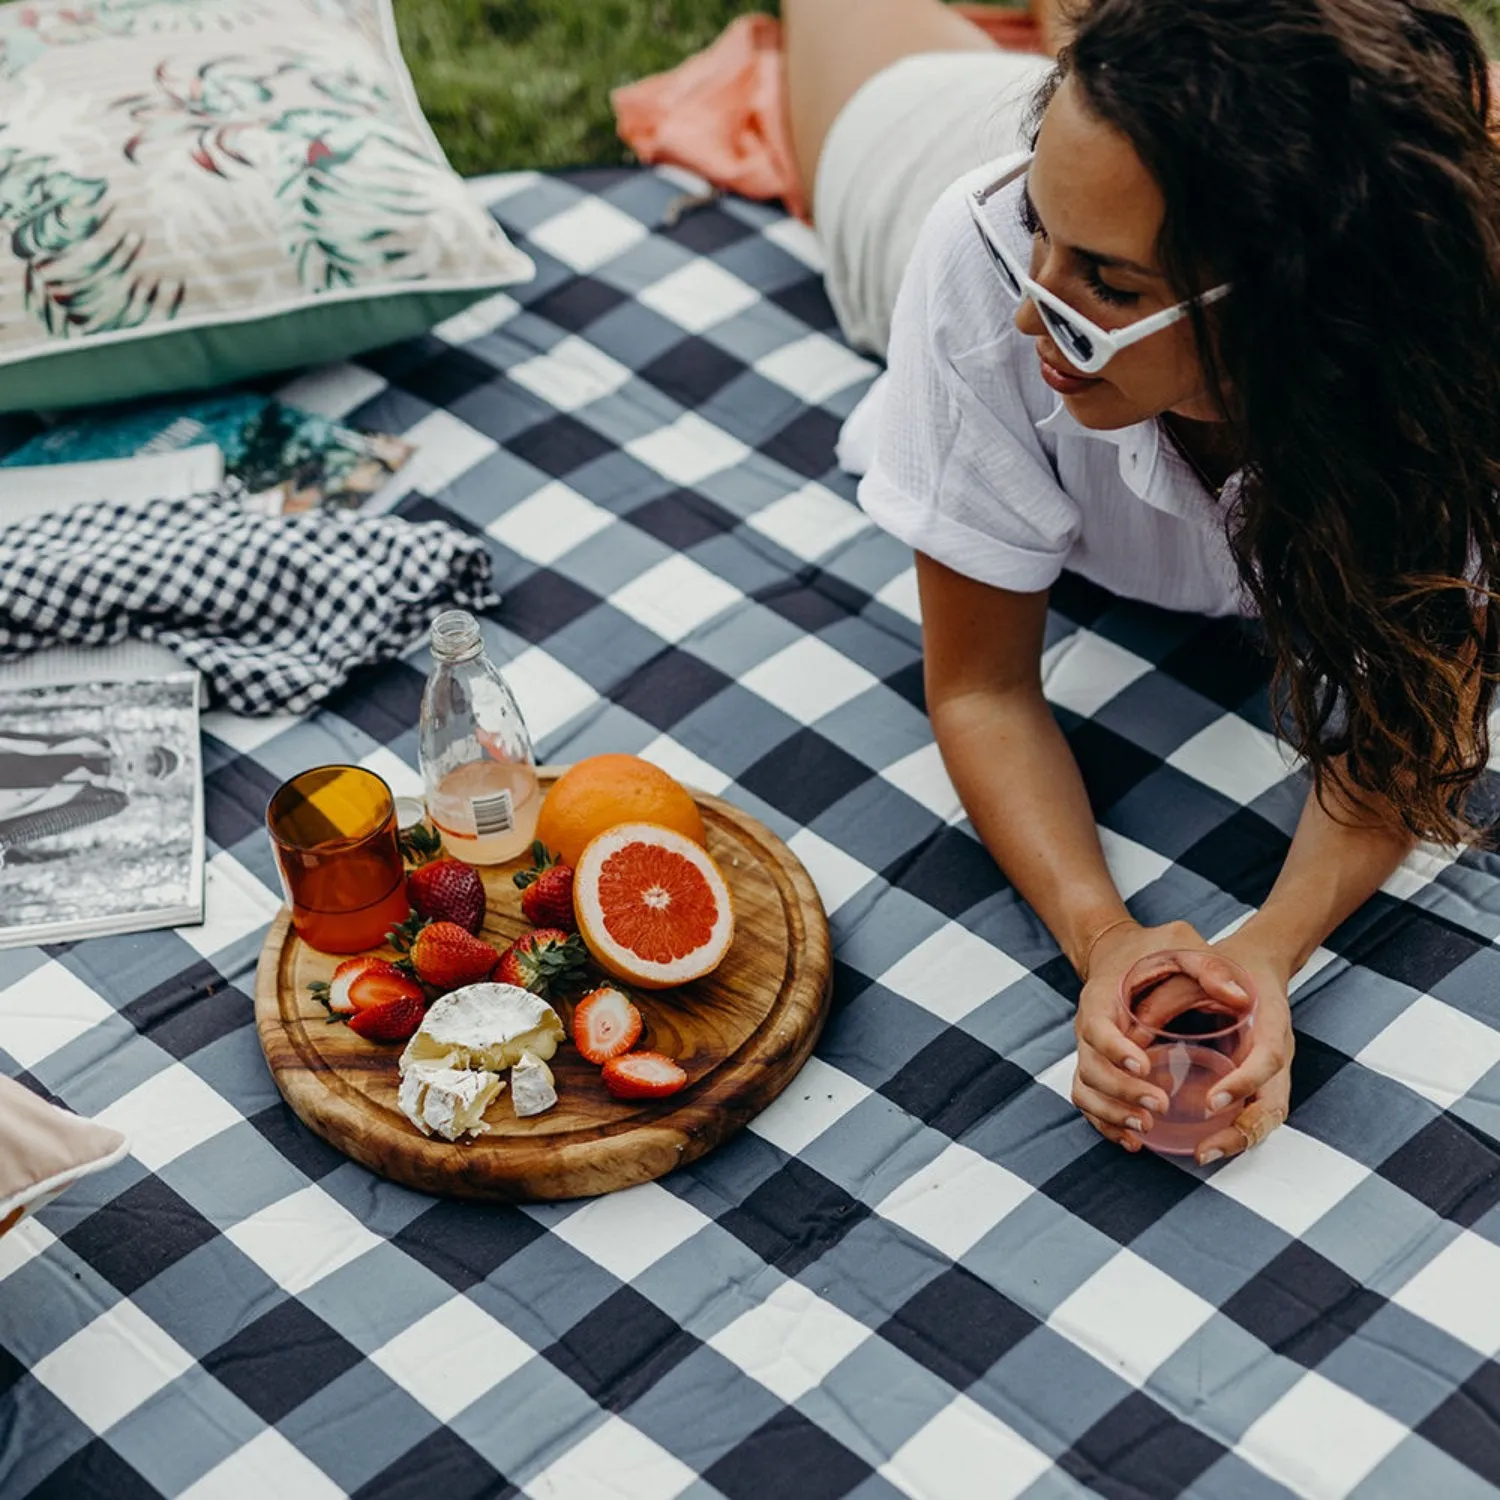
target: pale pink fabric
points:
(722, 113)
(44, 1149)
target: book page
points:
(46, 489)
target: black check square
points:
(235, 798)
(544, 603)
(1242, 856)
(951, 872)
(1408, 944)
(1303, 1306)
(1110, 764)
(794, 1217)
(806, 444)
(958, 1327)
(139, 1234)
(441, 1464)
(95, 1472)
(1120, 1196)
(1223, 660)
(560, 445)
(621, 1349)
(1139, 1451)
(1467, 1424)
(804, 775)
(682, 519)
(814, 600)
(445, 379)
(762, 1463)
(670, 687)
(954, 1082)
(706, 229)
(692, 372)
(1449, 1166)
(192, 1008)
(281, 1360)
(465, 1243)
(310, 1154)
(384, 701)
(807, 301)
(577, 303)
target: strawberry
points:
(392, 1022)
(546, 890)
(443, 954)
(334, 993)
(443, 890)
(382, 983)
(642, 1075)
(539, 959)
(605, 1024)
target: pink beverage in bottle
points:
(1192, 1013)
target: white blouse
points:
(977, 463)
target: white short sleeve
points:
(959, 470)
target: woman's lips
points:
(1064, 383)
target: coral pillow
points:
(194, 191)
(44, 1150)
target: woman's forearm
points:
(1021, 788)
(1339, 858)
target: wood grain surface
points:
(741, 1034)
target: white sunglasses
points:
(1088, 346)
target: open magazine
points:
(101, 808)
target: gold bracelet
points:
(1088, 953)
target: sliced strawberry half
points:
(334, 993)
(382, 983)
(605, 1024)
(642, 1075)
(392, 1022)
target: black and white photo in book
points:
(101, 808)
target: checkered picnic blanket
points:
(919, 1272)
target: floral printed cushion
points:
(194, 191)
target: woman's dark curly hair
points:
(1329, 159)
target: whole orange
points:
(604, 791)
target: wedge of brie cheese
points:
(485, 1026)
(531, 1087)
(449, 1102)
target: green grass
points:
(525, 83)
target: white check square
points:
(901, 595)
(267, 1465)
(1456, 1291)
(245, 733)
(235, 904)
(45, 1010)
(615, 1460)
(952, 972)
(808, 679)
(476, 321)
(547, 525)
(571, 374)
(791, 1342)
(629, 1231)
(691, 770)
(332, 391)
(1290, 1179)
(1131, 1316)
(1132, 866)
(817, 1098)
(955, 1200)
(688, 450)
(964, 1453)
(112, 1366)
(1319, 1440)
(170, 1113)
(446, 448)
(448, 1359)
(588, 234)
(1435, 1050)
(675, 597)
(1234, 758)
(547, 693)
(837, 875)
(810, 522)
(698, 295)
(300, 1239)
(1084, 671)
(924, 778)
(798, 240)
(814, 368)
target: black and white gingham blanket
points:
(919, 1272)
(275, 611)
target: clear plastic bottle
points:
(476, 755)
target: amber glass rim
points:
(353, 840)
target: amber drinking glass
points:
(334, 832)
(1193, 1015)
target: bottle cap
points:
(410, 812)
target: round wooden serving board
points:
(741, 1034)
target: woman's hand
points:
(1109, 1085)
(1263, 1082)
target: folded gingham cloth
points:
(275, 611)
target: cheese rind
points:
(485, 1026)
(532, 1091)
(449, 1102)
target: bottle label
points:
(492, 814)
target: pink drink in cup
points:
(1182, 1010)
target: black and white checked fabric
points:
(919, 1272)
(275, 611)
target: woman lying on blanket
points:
(1254, 247)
